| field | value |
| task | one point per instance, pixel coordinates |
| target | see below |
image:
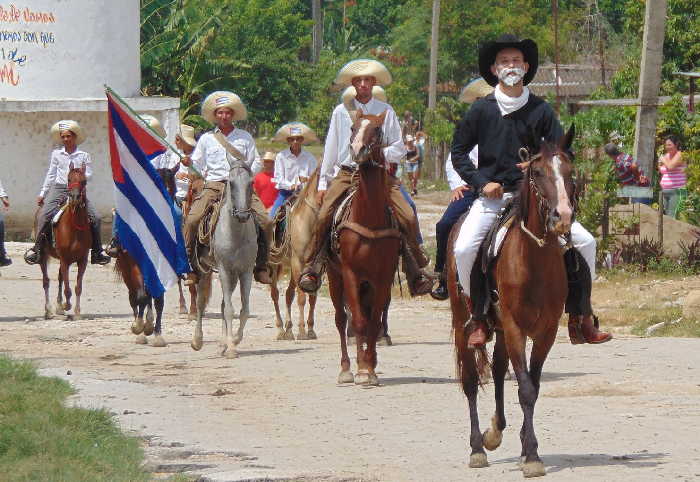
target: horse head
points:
(549, 174)
(366, 139)
(240, 189)
(77, 183)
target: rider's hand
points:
(493, 190)
(319, 197)
(6, 202)
(303, 179)
(458, 192)
(186, 161)
(40, 200)
(181, 175)
(523, 165)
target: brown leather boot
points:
(479, 334)
(262, 275)
(582, 329)
(192, 279)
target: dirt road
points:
(626, 410)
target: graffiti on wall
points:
(21, 30)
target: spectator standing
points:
(673, 179)
(262, 183)
(412, 163)
(627, 170)
(4, 260)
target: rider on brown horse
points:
(211, 158)
(55, 189)
(363, 75)
(500, 125)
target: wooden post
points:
(661, 217)
(691, 95)
(317, 42)
(555, 17)
(432, 86)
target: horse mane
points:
(312, 182)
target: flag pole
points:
(108, 89)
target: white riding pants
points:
(476, 226)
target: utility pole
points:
(432, 86)
(649, 83)
(317, 42)
(555, 18)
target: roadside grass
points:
(673, 324)
(42, 439)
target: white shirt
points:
(288, 168)
(2, 191)
(210, 156)
(167, 160)
(454, 179)
(59, 162)
(337, 149)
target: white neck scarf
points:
(508, 104)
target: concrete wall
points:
(25, 145)
(68, 48)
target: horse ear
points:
(568, 139)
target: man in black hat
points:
(500, 125)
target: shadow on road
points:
(558, 462)
(415, 380)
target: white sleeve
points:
(50, 175)
(330, 153)
(280, 179)
(453, 178)
(198, 155)
(88, 166)
(253, 158)
(396, 149)
(2, 191)
(474, 156)
(173, 160)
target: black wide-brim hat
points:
(489, 50)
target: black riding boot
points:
(97, 256)
(440, 293)
(4, 260)
(33, 254)
(261, 272)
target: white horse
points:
(234, 246)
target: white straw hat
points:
(474, 90)
(186, 133)
(269, 156)
(67, 125)
(377, 92)
(363, 67)
(295, 129)
(154, 124)
(222, 98)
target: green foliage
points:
(42, 439)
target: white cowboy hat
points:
(295, 129)
(186, 133)
(67, 125)
(222, 98)
(363, 67)
(269, 156)
(475, 89)
(154, 124)
(377, 92)
(409, 138)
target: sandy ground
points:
(626, 410)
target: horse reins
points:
(78, 185)
(525, 156)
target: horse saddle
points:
(280, 220)
(208, 222)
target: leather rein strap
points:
(370, 233)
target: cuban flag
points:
(147, 223)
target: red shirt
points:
(265, 188)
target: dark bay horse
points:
(531, 281)
(362, 275)
(72, 241)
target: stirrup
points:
(309, 282)
(31, 256)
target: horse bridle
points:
(81, 202)
(240, 165)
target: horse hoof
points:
(77, 316)
(302, 335)
(48, 315)
(346, 377)
(533, 469)
(478, 461)
(191, 317)
(492, 437)
(237, 340)
(384, 341)
(183, 310)
(311, 334)
(196, 343)
(288, 335)
(158, 342)
(141, 340)
(137, 327)
(148, 328)
(366, 379)
(280, 336)
(59, 310)
(66, 306)
(230, 353)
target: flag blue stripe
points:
(130, 241)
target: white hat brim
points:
(220, 99)
(363, 67)
(67, 125)
(306, 132)
(474, 90)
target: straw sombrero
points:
(377, 92)
(154, 124)
(222, 98)
(67, 125)
(186, 133)
(362, 67)
(475, 89)
(295, 129)
(269, 156)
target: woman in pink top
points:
(673, 179)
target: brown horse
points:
(72, 241)
(290, 253)
(361, 276)
(530, 278)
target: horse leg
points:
(46, 281)
(246, 280)
(373, 305)
(384, 338)
(59, 294)
(183, 304)
(228, 284)
(288, 300)
(138, 327)
(67, 292)
(158, 340)
(531, 464)
(275, 295)
(148, 326)
(310, 333)
(494, 435)
(193, 303)
(203, 288)
(335, 288)
(79, 287)
(351, 288)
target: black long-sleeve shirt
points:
(499, 138)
